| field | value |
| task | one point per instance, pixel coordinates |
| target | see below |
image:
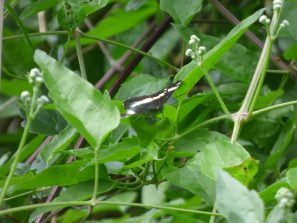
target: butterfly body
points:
(154, 101)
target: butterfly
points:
(145, 103)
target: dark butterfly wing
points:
(154, 101)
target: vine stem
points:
(30, 117)
(95, 203)
(257, 80)
(15, 161)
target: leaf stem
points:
(80, 54)
(96, 180)
(215, 91)
(87, 36)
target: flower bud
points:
(34, 73)
(284, 23)
(195, 38)
(192, 42)
(202, 49)
(189, 52)
(24, 95)
(39, 80)
(262, 19)
(43, 100)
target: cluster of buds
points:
(34, 102)
(285, 198)
(195, 51)
(274, 30)
(277, 4)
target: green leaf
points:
(292, 177)
(198, 175)
(58, 143)
(14, 87)
(121, 151)
(277, 215)
(191, 73)
(25, 153)
(61, 175)
(274, 161)
(290, 53)
(81, 191)
(268, 99)
(135, 4)
(289, 12)
(236, 202)
(74, 11)
(91, 113)
(124, 21)
(181, 12)
(48, 122)
(143, 84)
(38, 6)
(269, 192)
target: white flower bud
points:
(39, 80)
(195, 38)
(262, 19)
(276, 7)
(202, 49)
(24, 95)
(192, 42)
(34, 73)
(284, 23)
(189, 52)
(277, 2)
(267, 21)
(43, 99)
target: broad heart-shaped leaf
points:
(191, 73)
(181, 11)
(198, 175)
(92, 114)
(236, 202)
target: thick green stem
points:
(80, 55)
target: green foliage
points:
(185, 162)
